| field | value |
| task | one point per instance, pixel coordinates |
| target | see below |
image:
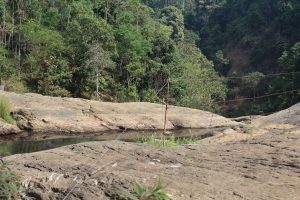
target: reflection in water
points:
(23, 146)
(39, 142)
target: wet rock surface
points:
(265, 167)
(39, 113)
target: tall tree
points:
(97, 63)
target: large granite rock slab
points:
(39, 113)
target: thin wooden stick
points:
(166, 113)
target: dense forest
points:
(207, 51)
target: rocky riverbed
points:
(265, 167)
(262, 161)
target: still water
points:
(24, 146)
(39, 142)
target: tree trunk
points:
(13, 26)
(106, 11)
(19, 37)
(4, 25)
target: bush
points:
(15, 85)
(10, 186)
(5, 110)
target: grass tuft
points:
(170, 141)
(5, 110)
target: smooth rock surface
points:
(266, 167)
(39, 113)
(288, 119)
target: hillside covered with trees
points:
(128, 50)
(257, 39)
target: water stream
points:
(29, 142)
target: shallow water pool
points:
(29, 142)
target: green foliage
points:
(50, 73)
(291, 59)
(149, 95)
(10, 186)
(236, 23)
(51, 18)
(132, 49)
(202, 86)
(220, 57)
(5, 111)
(15, 85)
(222, 63)
(125, 50)
(4, 70)
(59, 48)
(155, 193)
(185, 5)
(143, 193)
(255, 36)
(173, 17)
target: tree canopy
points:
(116, 50)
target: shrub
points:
(15, 85)
(5, 110)
(143, 193)
(10, 186)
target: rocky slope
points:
(288, 120)
(39, 113)
(266, 167)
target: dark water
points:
(39, 142)
(24, 146)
